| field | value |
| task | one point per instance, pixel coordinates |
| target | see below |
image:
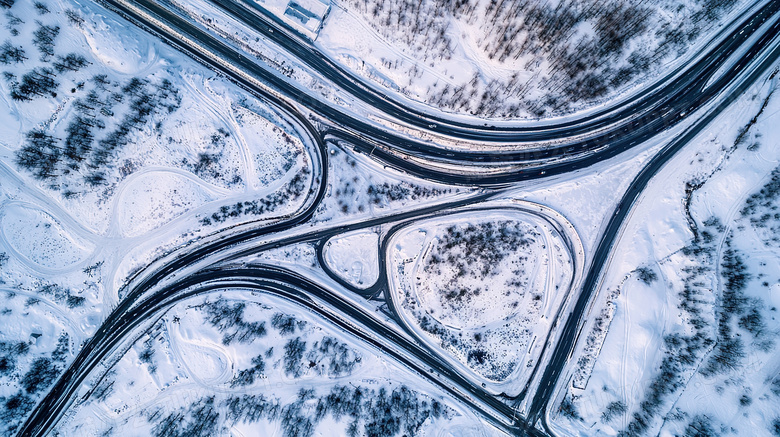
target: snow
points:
(507, 314)
(354, 257)
(643, 315)
(192, 361)
(65, 259)
(361, 187)
(450, 50)
(154, 199)
(68, 257)
(305, 16)
(36, 236)
(123, 53)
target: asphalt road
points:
(687, 75)
(152, 292)
(565, 346)
(574, 146)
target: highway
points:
(119, 326)
(657, 94)
(564, 149)
(565, 346)
(156, 288)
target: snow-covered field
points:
(516, 59)
(116, 150)
(683, 334)
(354, 257)
(363, 188)
(90, 190)
(483, 287)
(270, 369)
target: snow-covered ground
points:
(280, 359)
(115, 150)
(68, 240)
(175, 174)
(361, 187)
(683, 333)
(354, 257)
(484, 287)
(516, 59)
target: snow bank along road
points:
(500, 154)
(154, 289)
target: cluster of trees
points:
(74, 18)
(568, 409)
(594, 341)
(228, 318)
(385, 193)
(44, 370)
(476, 251)
(729, 348)
(10, 54)
(332, 357)
(105, 387)
(345, 197)
(327, 356)
(38, 82)
(247, 376)
(43, 39)
(70, 62)
(774, 386)
(377, 413)
(765, 197)
(427, 23)
(47, 158)
(734, 305)
(201, 419)
(435, 328)
(15, 408)
(42, 373)
(9, 352)
(293, 356)
(93, 269)
(762, 208)
(478, 358)
(381, 194)
(59, 295)
(614, 409)
(207, 164)
(293, 190)
(41, 8)
(582, 65)
(483, 96)
(286, 324)
(701, 426)
(352, 193)
(147, 354)
(62, 350)
(646, 275)
(681, 351)
(13, 22)
(251, 408)
(733, 310)
(665, 383)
